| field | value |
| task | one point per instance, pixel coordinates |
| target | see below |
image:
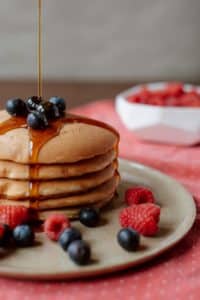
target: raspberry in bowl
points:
(162, 112)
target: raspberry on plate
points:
(143, 218)
(15, 215)
(138, 195)
(54, 225)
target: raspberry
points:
(190, 99)
(15, 215)
(156, 100)
(151, 210)
(55, 224)
(134, 99)
(172, 101)
(138, 195)
(145, 94)
(162, 94)
(175, 89)
(143, 218)
(172, 95)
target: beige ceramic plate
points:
(47, 261)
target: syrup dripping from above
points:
(35, 140)
(39, 49)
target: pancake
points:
(98, 194)
(76, 141)
(14, 170)
(18, 189)
(73, 212)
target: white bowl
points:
(174, 125)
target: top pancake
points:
(75, 141)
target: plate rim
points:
(81, 273)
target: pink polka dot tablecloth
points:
(174, 275)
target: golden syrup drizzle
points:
(38, 139)
(11, 124)
(69, 118)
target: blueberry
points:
(16, 107)
(79, 252)
(5, 235)
(37, 120)
(50, 110)
(23, 236)
(67, 236)
(33, 102)
(89, 216)
(59, 102)
(128, 239)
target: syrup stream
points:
(34, 143)
(39, 49)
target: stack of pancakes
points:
(76, 168)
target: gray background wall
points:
(102, 39)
